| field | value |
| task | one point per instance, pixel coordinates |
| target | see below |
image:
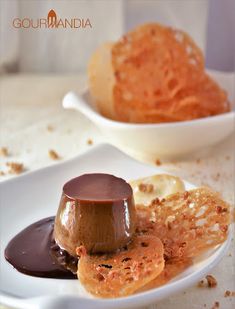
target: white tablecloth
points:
(31, 103)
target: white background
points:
(211, 23)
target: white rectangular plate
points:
(36, 195)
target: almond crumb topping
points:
(146, 188)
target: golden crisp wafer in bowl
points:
(154, 74)
(149, 93)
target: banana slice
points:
(148, 188)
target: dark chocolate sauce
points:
(32, 252)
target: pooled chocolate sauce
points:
(34, 252)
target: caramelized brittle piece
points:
(160, 77)
(124, 272)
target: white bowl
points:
(166, 140)
(22, 204)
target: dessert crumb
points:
(216, 177)
(53, 155)
(4, 152)
(15, 168)
(2, 173)
(158, 162)
(89, 141)
(229, 293)
(201, 283)
(211, 281)
(50, 128)
(216, 305)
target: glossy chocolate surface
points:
(97, 211)
(32, 252)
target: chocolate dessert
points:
(97, 211)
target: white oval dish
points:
(166, 140)
(22, 204)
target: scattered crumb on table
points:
(158, 162)
(210, 282)
(89, 141)
(201, 283)
(229, 293)
(15, 168)
(50, 128)
(53, 155)
(216, 177)
(4, 152)
(216, 305)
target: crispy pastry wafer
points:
(122, 273)
(157, 75)
(188, 223)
